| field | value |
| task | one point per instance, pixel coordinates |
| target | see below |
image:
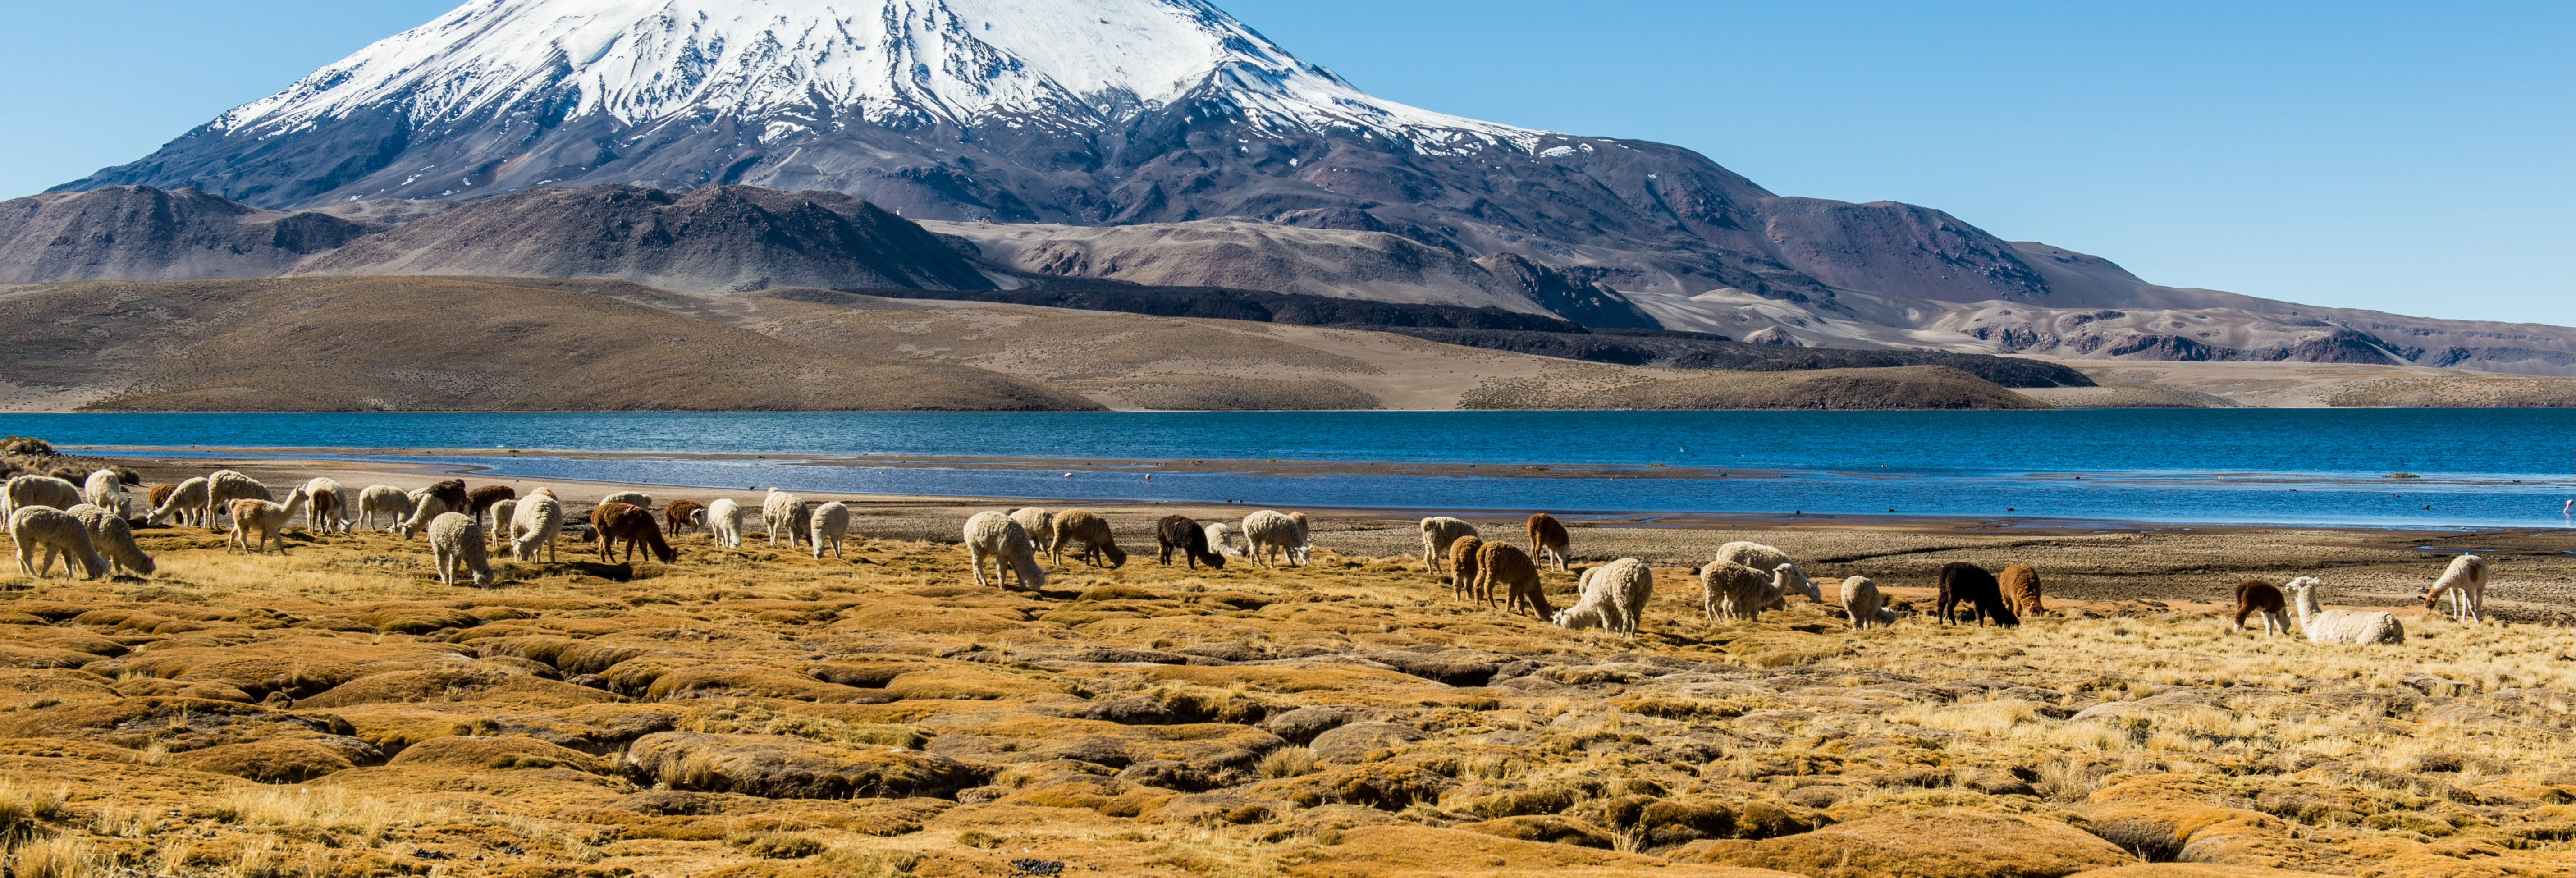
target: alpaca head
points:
(2302, 589)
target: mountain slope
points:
(141, 233)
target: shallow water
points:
(2478, 467)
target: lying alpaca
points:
(1462, 570)
(46, 491)
(58, 533)
(782, 512)
(637, 499)
(831, 523)
(1962, 582)
(480, 500)
(386, 500)
(1437, 533)
(1614, 598)
(1001, 540)
(1762, 557)
(634, 524)
(1504, 564)
(1267, 531)
(1091, 532)
(330, 510)
(683, 514)
(456, 545)
(724, 523)
(2256, 596)
(503, 513)
(266, 518)
(1548, 540)
(431, 502)
(2466, 581)
(2020, 586)
(535, 524)
(1861, 602)
(105, 490)
(226, 486)
(1040, 525)
(1728, 590)
(2346, 627)
(187, 500)
(1180, 533)
(114, 539)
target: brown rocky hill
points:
(142, 233)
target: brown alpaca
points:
(680, 515)
(161, 494)
(2256, 596)
(480, 500)
(1462, 570)
(2020, 585)
(1962, 582)
(1548, 540)
(1180, 533)
(1075, 526)
(326, 507)
(1505, 564)
(616, 521)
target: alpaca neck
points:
(2306, 603)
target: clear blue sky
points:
(2409, 157)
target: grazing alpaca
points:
(431, 502)
(1268, 531)
(1001, 540)
(46, 491)
(2256, 596)
(187, 500)
(1040, 525)
(113, 538)
(1462, 570)
(226, 486)
(782, 512)
(724, 523)
(1437, 533)
(637, 499)
(1762, 557)
(267, 518)
(1179, 532)
(330, 510)
(386, 500)
(105, 490)
(155, 496)
(1504, 564)
(2346, 627)
(634, 524)
(1614, 598)
(1861, 602)
(1223, 538)
(831, 523)
(2466, 581)
(503, 513)
(57, 533)
(456, 545)
(535, 524)
(1548, 540)
(1962, 582)
(1728, 590)
(1091, 532)
(2020, 585)
(682, 514)
(480, 500)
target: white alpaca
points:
(1861, 602)
(534, 524)
(2466, 581)
(226, 486)
(46, 491)
(2340, 626)
(1268, 531)
(1040, 525)
(1221, 536)
(1305, 545)
(1762, 557)
(114, 539)
(1734, 591)
(456, 545)
(187, 501)
(503, 512)
(105, 491)
(332, 520)
(637, 499)
(786, 513)
(267, 518)
(57, 533)
(1001, 540)
(425, 507)
(386, 500)
(831, 523)
(1437, 533)
(724, 523)
(1614, 598)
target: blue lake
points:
(2477, 467)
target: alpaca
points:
(1179, 532)
(1728, 590)
(503, 513)
(1305, 546)
(681, 515)
(535, 524)
(480, 500)
(157, 495)
(114, 539)
(1614, 598)
(1075, 526)
(1224, 539)
(1962, 582)
(637, 499)
(1437, 533)
(1762, 557)
(456, 544)
(1040, 525)
(438, 499)
(1501, 563)
(2346, 627)
(330, 510)
(1002, 540)
(2256, 596)
(2020, 586)
(57, 532)
(634, 524)
(831, 523)
(724, 523)
(46, 491)
(1548, 540)
(187, 500)
(1268, 530)
(387, 500)
(2466, 581)
(1462, 570)
(1861, 602)
(226, 486)
(105, 490)
(267, 518)
(782, 512)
